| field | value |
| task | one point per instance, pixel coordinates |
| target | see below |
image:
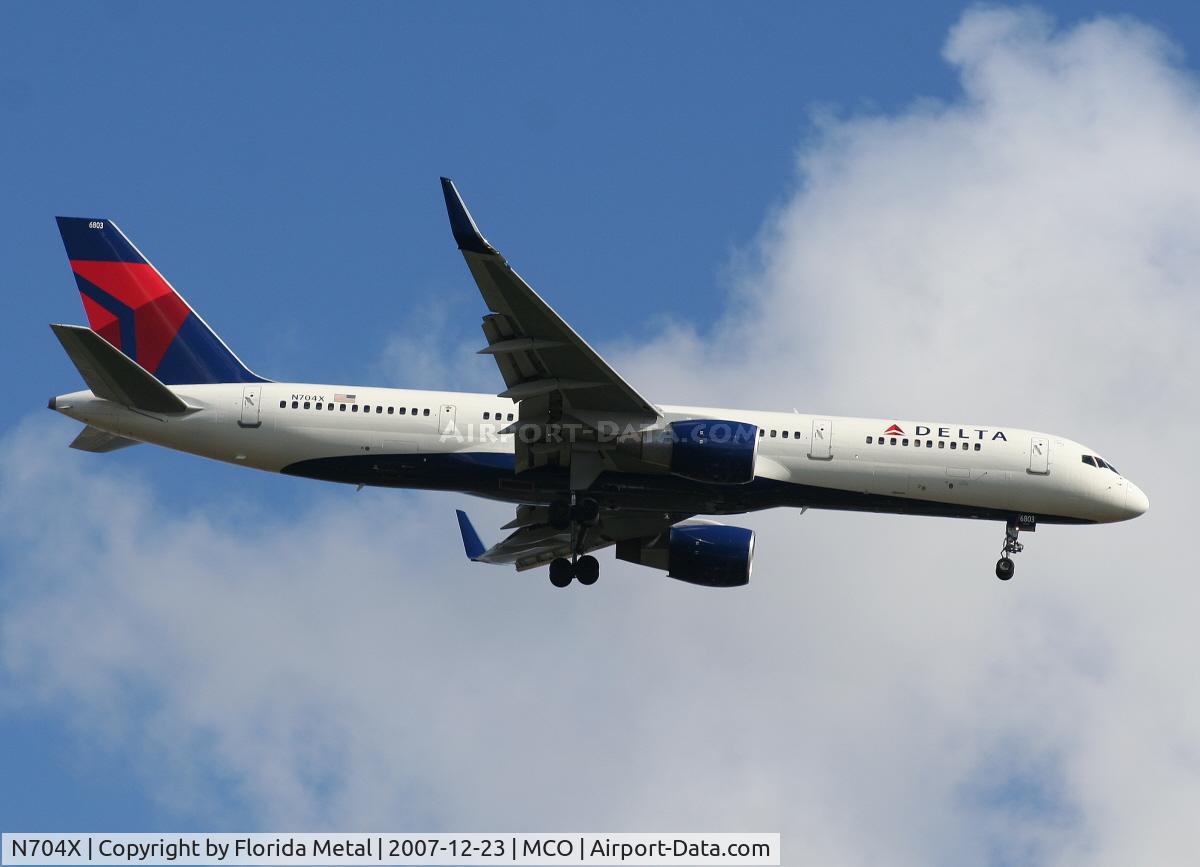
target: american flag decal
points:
(343, 398)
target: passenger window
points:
(318, 406)
(978, 446)
(904, 442)
(928, 444)
(378, 410)
(354, 408)
(425, 412)
(869, 439)
(953, 445)
(510, 416)
(414, 410)
(486, 415)
(941, 444)
(785, 434)
(391, 410)
(329, 406)
(341, 407)
(307, 405)
(283, 404)
(772, 434)
(761, 432)
(893, 440)
(295, 404)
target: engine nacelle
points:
(704, 449)
(711, 555)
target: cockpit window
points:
(1088, 459)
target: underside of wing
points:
(574, 411)
(537, 352)
(535, 541)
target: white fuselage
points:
(829, 461)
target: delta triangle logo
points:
(894, 429)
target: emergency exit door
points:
(1039, 456)
(251, 413)
(819, 444)
(446, 423)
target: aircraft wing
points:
(539, 355)
(535, 542)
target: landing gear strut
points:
(564, 512)
(1004, 566)
(576, 515)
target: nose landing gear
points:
(1005, 566)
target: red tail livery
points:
(131, 305)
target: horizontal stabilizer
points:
(92, 439)
(112, 375)
(472, 544)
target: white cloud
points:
(1023, 254)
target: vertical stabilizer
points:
(131, 305)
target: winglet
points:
(471, 542)
(466, 233)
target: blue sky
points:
(279, 163)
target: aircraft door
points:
(251, 413)
(822, 434)
(446, 423)
(1039, 456)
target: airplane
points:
(587, 460)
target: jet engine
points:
(711, 555)
(704, 450)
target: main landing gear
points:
(1004, 566)
(578, 516)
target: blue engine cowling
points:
(712, 556)
(713, 450)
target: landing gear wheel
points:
(560, 514)
(1004, 566)
(585, 512)
(561, 572)
(587, 570)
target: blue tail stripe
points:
(123, 312)
(197, 355)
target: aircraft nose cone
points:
(1136, 502)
